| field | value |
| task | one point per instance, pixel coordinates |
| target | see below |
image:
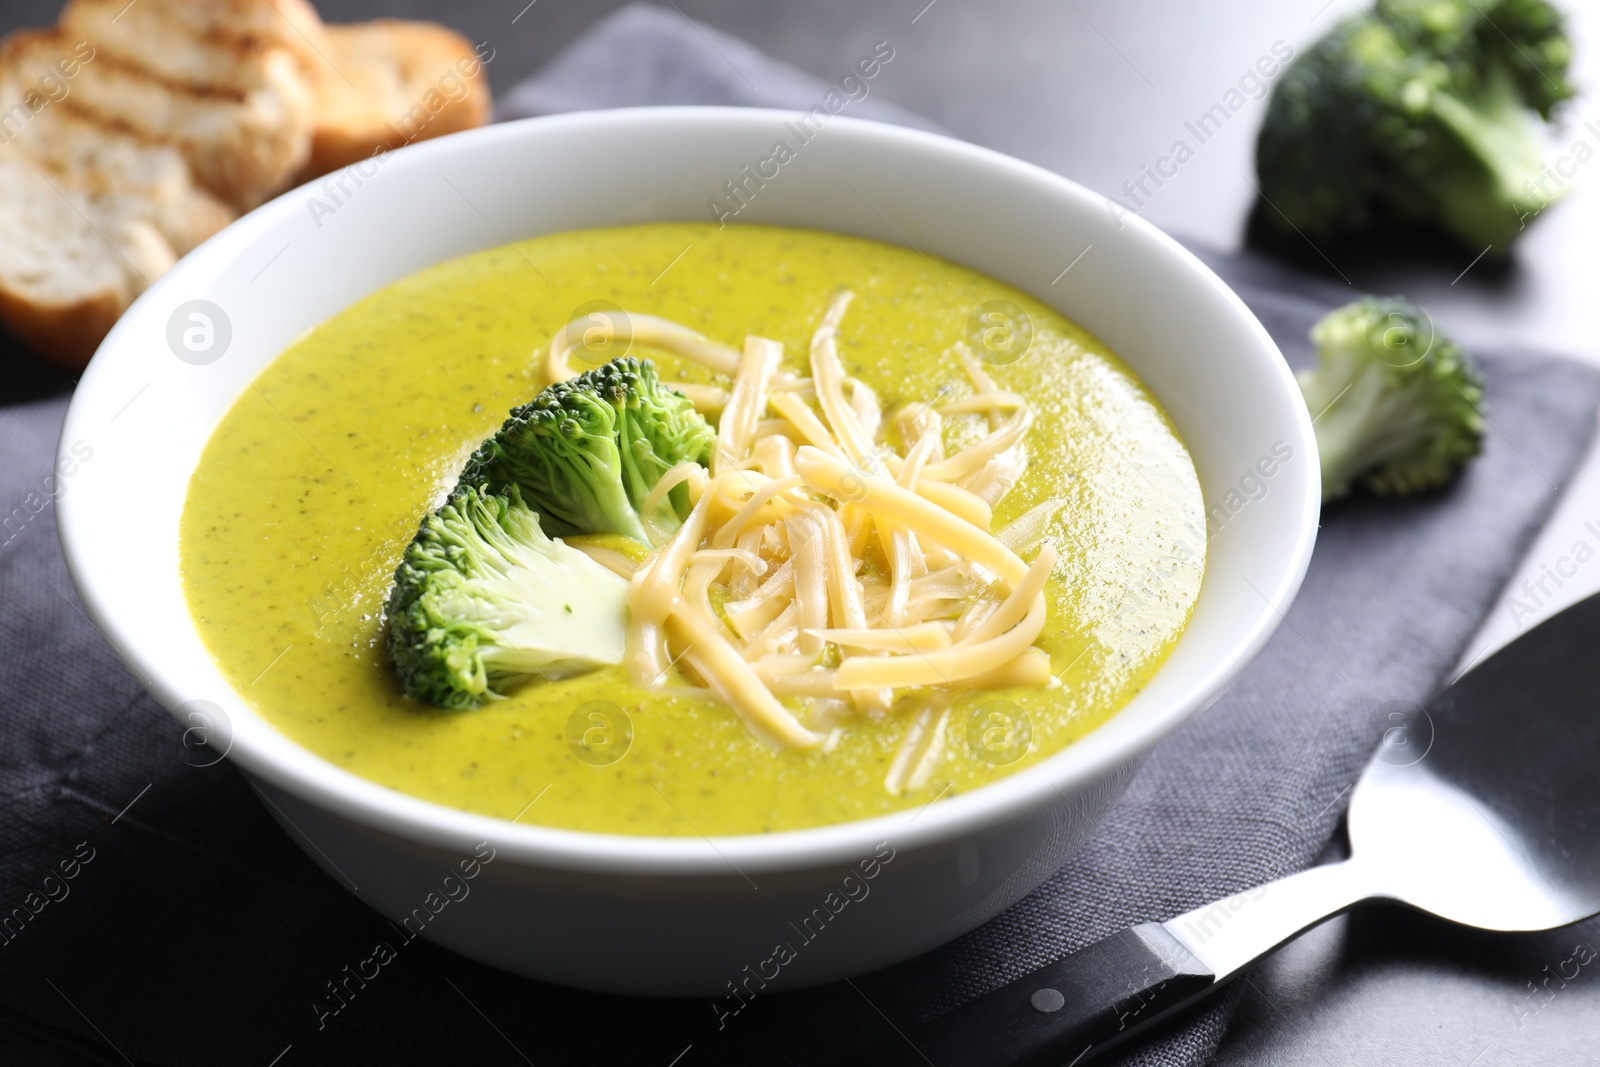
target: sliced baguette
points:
(142, 129)
(61, 284)
(126, 177)
(196, 40)
(399, 82)
(88, 219)
(245, 139)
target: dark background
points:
(1093, 89)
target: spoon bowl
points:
(1484, 807)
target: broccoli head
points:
(1418, 112)
(484, 601)
(1395, 406)
(587, 451)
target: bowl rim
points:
(1096, 756)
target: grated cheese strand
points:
(735, 683)
(653, 593)
(1015, 606)
(810, 578)
(921, 746)
(971, 459)
(883, 497)
(803, 419)
(828, 378)
(944, 667)
(642, 329)
(747, 401)
(923, 637)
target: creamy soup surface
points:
(314, 482)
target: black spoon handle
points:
(1062, 1013)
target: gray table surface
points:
(1093, 89)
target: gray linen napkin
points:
(644, 56)
(197, 933)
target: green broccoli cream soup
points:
(315, 482)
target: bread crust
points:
(65, 334)
(403, 82)
(194, 37)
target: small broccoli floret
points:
(1419, 112)
(1396, 407)
(587, 451)
(484, 601)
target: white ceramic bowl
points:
(685, 916)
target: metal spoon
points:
(1482, 808)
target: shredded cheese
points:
(746, 403)
(822, 574)
(884, 498)
(920, 748)
(645, 329)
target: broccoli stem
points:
(1365, 427)
(1394, 405)
(1489, 202)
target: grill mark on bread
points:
(185, 113)
(133, 67)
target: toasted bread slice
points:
(68, 265)
(244, 144)
(88, 219)
(62, 284)
(399, 82)
(195, 40)
(143, 128)
(126, 177)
